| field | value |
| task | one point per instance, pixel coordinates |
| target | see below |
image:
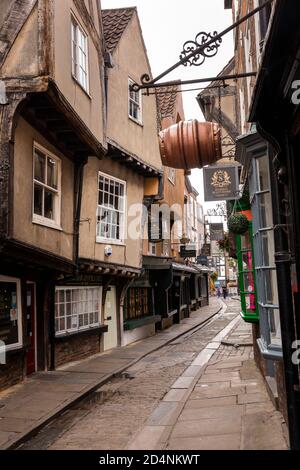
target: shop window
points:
(10, 313)
(138, 303)
(76, 308)
(267, 288)
(247, 281)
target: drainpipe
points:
(79, 169)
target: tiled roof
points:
(115, 22)
(166, 101)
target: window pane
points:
(52, 173)
(268, 249)
(250, 303)
(49, 205)
(247, 261)
(248, 282)
(265, 210)
(270, 286)
(274, 325)
(246, 241)
(263, 173)
(38, 199)
(9, 313)
(39, 166)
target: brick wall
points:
(76, 347)
(12, 372)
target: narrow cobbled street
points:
(166, 401)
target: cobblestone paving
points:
(126, 403)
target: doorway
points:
(110, 319)
(30, 328)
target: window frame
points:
(75, 62)
(112, 241)
(139, 104)
(19, 344)
(266, 342)
(41, 219)
(136, 298)
(78, 329)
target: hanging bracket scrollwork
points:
(190, 46)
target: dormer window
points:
(79, 55)
(134, 103)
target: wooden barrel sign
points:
(190, 144)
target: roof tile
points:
(115, 22)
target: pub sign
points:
(221, 182)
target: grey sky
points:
(166, 25)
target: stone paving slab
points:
(223, 442)
(225, 407)
(45, 395)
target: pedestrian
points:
(224, 288)
(219, 292)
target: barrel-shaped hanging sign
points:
(190, 144)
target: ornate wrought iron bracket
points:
(200, 40)
(195, 52)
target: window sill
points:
(82, 88)
(136, 121)
(71, 334)
(46, 223)
(139, 322)
(104, 241)
(267, 353)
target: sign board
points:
(216, 232)
(188, 251)
(221, 182)
(205, 250)
(202, 259)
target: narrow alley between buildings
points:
(200, 391)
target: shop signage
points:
(188, 251)
(216, 232)
(221, 182)
(202, 259)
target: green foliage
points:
(238, 223)
(214, 277)
(224, 244)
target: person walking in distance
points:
(224, 288)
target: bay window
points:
(263, 228)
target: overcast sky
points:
(167, 25)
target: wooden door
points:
(30, 328)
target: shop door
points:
(30, 328)
(110, 319)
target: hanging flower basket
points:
(238, 224)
